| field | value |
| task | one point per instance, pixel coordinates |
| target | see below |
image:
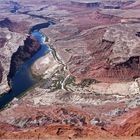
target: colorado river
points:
(23, 79)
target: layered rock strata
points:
(30, 47)
(100, 98)
(9, 43)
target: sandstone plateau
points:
(88, 85)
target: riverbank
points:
(20, 76)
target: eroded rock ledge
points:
(9, 42)
(113, 54)
(91, 49)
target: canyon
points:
(23, 54)
(88, 85)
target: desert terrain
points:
(88, 84)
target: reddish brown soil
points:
(108, 119)
(126, 125)
(67, 122)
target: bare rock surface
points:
(13, 40)
(13, 26)
(45, 66)
(24, 52)
(127, 125)
(94, 94)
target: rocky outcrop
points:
(45, 67)
(95, 46)
(30, 47)
(69, 121)
(51, 122)
(2, 42)
(55, 132)
(1, 72)
(9, 43)
(13, 26)
(114, 55)
(14, 6)
(126, 125)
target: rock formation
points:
(9, 43)
(1, 72)
(30, 47)
(2, 42)
(14, 26)
(126, 125)
(112, 56)
(96, 94)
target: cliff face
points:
(2, 43)
(13, 56)
(9, 42)
(13, 26)
(10, 37)
(126, 125)
(1, 72)
(105, 53)
(112, 56)
(25, 52)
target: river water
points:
(23, 79)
